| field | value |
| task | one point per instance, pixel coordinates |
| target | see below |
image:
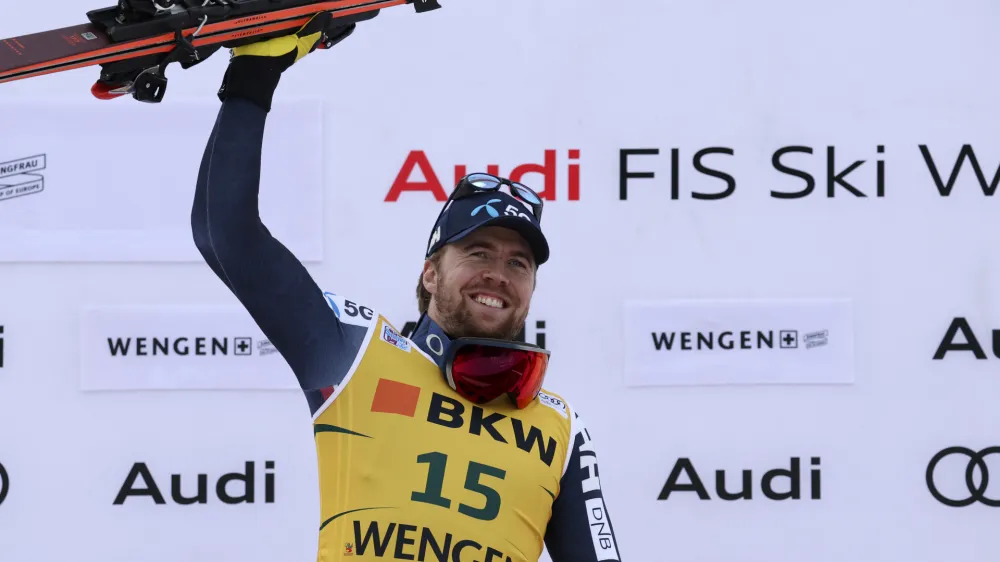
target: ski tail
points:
(104, 91)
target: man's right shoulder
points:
(357, 322)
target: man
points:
(438, 447)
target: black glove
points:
(255, 69)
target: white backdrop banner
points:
(738, 342)
(114, 182)
(768, 169)
(207, 348)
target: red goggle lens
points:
(483, 373)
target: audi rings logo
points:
(977, 463)
(4, 483)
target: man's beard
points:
(458, 320)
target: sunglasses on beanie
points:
(484, 183)
(473, 184)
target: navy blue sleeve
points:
(580, 527)
(271, 283)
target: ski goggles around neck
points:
(483, 369)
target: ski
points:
(136, 40)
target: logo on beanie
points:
(435, 238)
(493, 212)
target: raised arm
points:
(580, 528)
(270, 282)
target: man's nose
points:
(494, 272)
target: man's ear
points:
(430, 277)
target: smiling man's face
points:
(482, 284)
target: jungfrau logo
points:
(19, 177)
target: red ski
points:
(136, 40)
